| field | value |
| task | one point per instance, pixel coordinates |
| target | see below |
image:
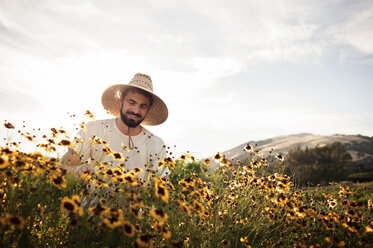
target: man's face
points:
(134, 109)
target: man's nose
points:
(136, 109)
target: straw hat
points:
(112, 99)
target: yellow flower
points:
(98, 141)
(183, 157)
(138, 228)
(109, 173)
(128, 228)
(263, 161)
(187, 182)
(245, 241)
(134, 209)
(118, 156)
(272, 178)
(113, 218)
(190, 157)
(65, 142)
(248, 148)
(59, 181)
(100, 183)
(70, 206)
(159, 215)
(198, 207)
(332, 203)
(350, 226)
(83, 126)
(280, 157)
(117, 172)
(89, 114)
(78, 140)
(195, 194)
(207, 162)
(14, 220)
(98, 210)
(137, 170)
(130, 178)
(167, 161)
(161, 192)
(158, 227)
(161, 164)
(356, 205)
(77, 201)
(4, 161)
(206, 214)
(8, 125)
(107, 150)
(217, 157)
(136, 199)
(184, 208)
(166, 233)
(28, 136)
(124, 147)
(351, 213)
(144, 240)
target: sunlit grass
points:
(251, 204)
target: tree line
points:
(323, 164)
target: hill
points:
(360, 147)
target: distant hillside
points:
(360, 147)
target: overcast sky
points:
(229, 71)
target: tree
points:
(320, 164)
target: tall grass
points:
(252, 204)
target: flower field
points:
(235, 205)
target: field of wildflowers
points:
(237, 205)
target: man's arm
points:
(71, 162)
(70, 158)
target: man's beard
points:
(130, 122)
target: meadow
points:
(251, 204)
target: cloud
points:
(209, 60)
(17, 106)
(245, 32)
(357, 31)
(15, 101)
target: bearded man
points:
(133, 104)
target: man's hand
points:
(80, 169)
(70, 158)
(70, 161)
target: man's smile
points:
(133, 115)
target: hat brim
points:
(112, 101)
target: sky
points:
(229, 71)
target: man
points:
(132, 104)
